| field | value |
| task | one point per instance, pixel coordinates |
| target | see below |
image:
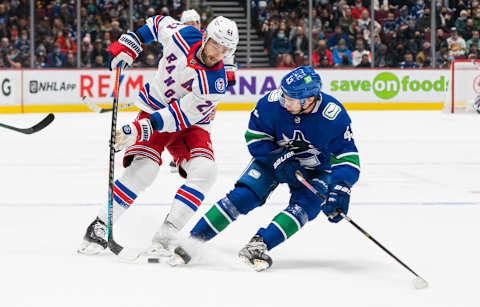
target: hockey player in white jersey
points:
(191, 18)
(176, 106)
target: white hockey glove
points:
(138, 131)
(125, 50)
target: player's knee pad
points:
(140, 174)
(259, 179)
(307, 201)
(201, 173)
(242, 199)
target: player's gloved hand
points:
(125, 50)
(129, 134)
(231, 78)
(284, 167)
(338, 199)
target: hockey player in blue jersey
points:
(294, 128)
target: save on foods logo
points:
(387, 85)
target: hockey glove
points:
(124, 51)
(231, 78)
(338, 200)
(129, 134)
(284, 167)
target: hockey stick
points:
(419, 282)
(95, 108)
(42, 124)
(117, 249)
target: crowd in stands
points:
(102, 22)
(340, 31)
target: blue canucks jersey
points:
(321, 140)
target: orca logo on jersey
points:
(220, 85)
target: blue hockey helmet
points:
(301, 83)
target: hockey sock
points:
(283, 226)
(185, 204)
(123, 197)
(215, 220)
(136, 178)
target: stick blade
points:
(420, 283)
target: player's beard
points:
(206, 60)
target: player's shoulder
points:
(188, 35)
(331, 110)
(212, 81)
(270, 100)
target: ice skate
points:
(254, 254)
(94, 240)
(162, 243)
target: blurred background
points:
(274, 33)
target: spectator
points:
(98, 50)
(440, 39)
(320, 53)
(339, 53)
(279, 47)
(299, 43)
(468, 30)
(358, 9)
(364, 21)
(205, 12)
(99, 62)
(364, 62)
(56, 58)
(383, 58)
(70, 61)
(474, 53)
(66, 41)
(409, 62)
(423, 58)
(346, 19)
(461, 46)
(461, 23)
(359, 52)
(418, 10)
(287, 61)
(149, 61)
(441, 57)
(389, 26)
(334, 39)
(456, 51)
(476, 19)
(473, 41)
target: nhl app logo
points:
(220, 85)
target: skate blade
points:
(90, 249)
(176, 260)
(258, 264)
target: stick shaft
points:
(112, 245)
(312, 189)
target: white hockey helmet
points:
(190, 15)
(224, 31)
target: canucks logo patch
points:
(220, 85)
(307, 79)
(331, 111)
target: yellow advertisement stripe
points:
(357, 106)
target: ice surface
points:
(418, 195)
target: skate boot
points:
(254, 254)
(162, 243)
(94, 240)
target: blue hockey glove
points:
(284, 168)
(338, 199)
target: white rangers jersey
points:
(184, 92)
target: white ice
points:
(418, 195)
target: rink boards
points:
(60, 90)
